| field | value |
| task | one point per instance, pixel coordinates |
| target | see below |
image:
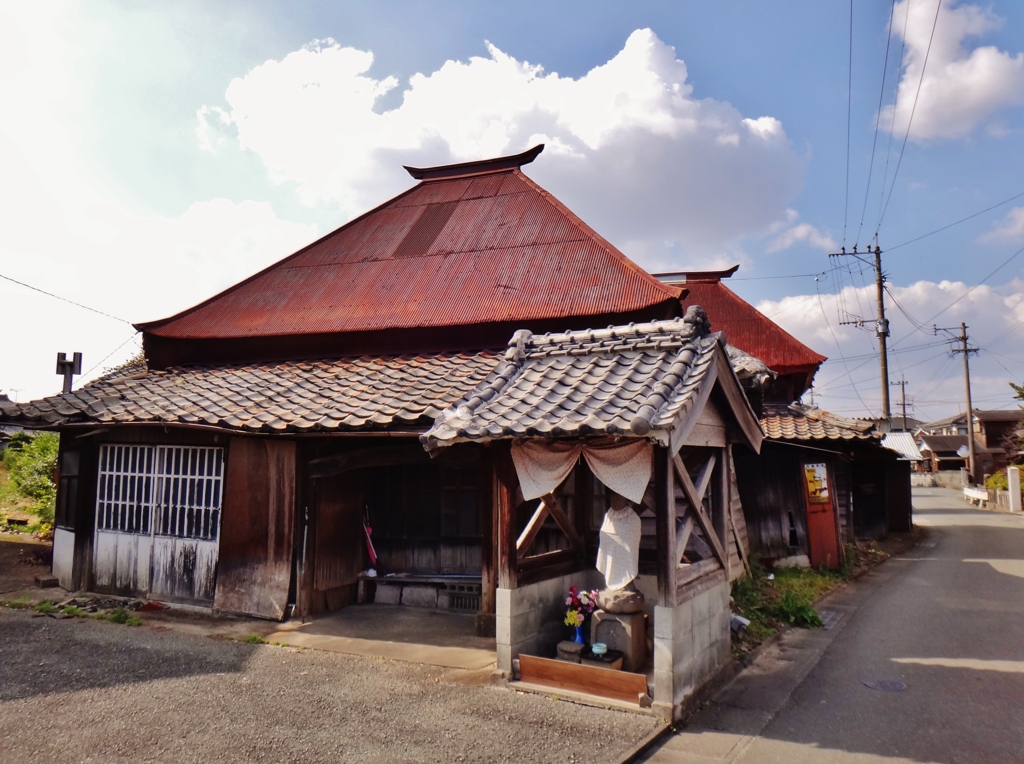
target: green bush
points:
(32, 462)
(998, 482)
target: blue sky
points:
(156, 153)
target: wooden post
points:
(723, 512)
(665, 524)
(503, 533)
(488, 551)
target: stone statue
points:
(618, 558)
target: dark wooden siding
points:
(771, 489)
(257, 528)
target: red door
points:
(822, 528)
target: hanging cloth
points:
(618, 556)
(542, 466)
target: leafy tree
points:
(32, 462)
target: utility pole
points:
(882, 332)
(881, 322)
(902, 383)
(971, 463)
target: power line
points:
(895, 108)
(836, 340)
(101, 361)
(849, 108)
(958, 222)
(913, 109)
(878, 116)
(765, 278)
(64, 299)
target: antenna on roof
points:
(68, 369)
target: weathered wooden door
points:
(822, 530)
(158, 520)
(258, 528)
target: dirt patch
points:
(22, 559)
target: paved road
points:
(946, 619)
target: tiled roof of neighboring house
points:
(795, 421)
(636, 380)
(943, 444)
(950, 420)
(999, 415)
(903, 444)
(302, 396)
(745, 326)
(470, 244)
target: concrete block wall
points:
(529, 619)
(691, 642)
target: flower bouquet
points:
(581, 603)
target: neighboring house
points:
(278, 420)
(820, 481)
(944, 453)
(896, 423)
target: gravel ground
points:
(76, 690)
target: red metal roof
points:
(488, 245)
(745, 327)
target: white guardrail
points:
(978, 496)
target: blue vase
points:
(579, 636)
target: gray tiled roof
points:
(634, 380)
(296, 396)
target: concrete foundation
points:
(529, 619)
(691, 641)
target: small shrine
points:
(615, 503)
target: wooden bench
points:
(456, 592)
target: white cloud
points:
(1009, 230)
(962, 87)
(995, 320)
(656, 170)
(802, 232)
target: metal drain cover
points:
(829, 618)
(885, 685)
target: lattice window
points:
(168, 490)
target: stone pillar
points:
(1013, 477)
(691, 642)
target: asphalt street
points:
(926, 664)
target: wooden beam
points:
(488, 559)
(562, 675)
(503, 479)
(533, 527)
(690, 573)
(540, 561)
(558, 514)
(683, 536)
(698, 510)
(705, 476)
(665, 527)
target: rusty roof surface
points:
(744, 325)
(489, 245)
(331, 395)
(795, 421)
(637, 380)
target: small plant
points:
(77, 612)
(122, 616)
(798, 612)
(255, 639)
(46, 607)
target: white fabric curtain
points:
(625, 467)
